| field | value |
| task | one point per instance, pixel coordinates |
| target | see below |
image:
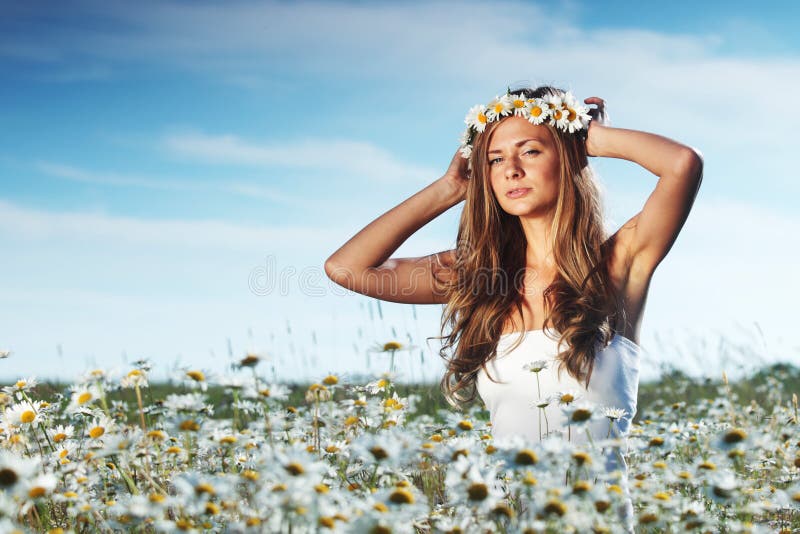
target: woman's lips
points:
(516, 193)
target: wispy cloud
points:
(19, 223)
(342, 157)
(112, 179)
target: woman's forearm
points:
(376, 242)
(656, 153)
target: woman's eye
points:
(531, 151)
(492, 161)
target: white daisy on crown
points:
(562, 111)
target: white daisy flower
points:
(569, 100)
(23, 413)
(538, 111)
(99, 426)
(476, 117)
(136, 377)
(535, 367)
(15, 469)
(276, 392)
(465, 137)
(554, 102)
(61, 433)
(520, 106)
(40, 486)
(466, 151)
(5, 353)
(499, 107)
(581, 413)
(20, 386)
(613, 413)
(188, 402)
(567, 396)
(560, 118)
(577, 118)
(83, 397)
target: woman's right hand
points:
(458, 175)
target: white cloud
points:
(113, 179)
(342, 157)
(25, 223)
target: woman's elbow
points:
(692, 163)
(339, 274)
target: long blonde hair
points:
(490, 264)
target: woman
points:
(533, 259)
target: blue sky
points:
(156, 158)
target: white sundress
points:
(510, 400)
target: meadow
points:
(240, 453)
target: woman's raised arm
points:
(363, 263)
(680, 170)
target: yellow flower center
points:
(465, 425)
(36, 491)
(735, 435)
(581, 486)
(554, 506)
(84, 397)
(379, 453)
(250, 475)
(581, 458)
(197, 376)
(204, 487)
(27, 416)
(477, 491)
(526, 457)
(580, 415)
(97, 431)
(351, 420)
(294, 469)
(190, 425)
(401, 496)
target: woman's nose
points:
(513, 168)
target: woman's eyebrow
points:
(518, 144)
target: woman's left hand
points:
(599, 121)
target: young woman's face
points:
(524, 156)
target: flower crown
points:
(562, 110)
